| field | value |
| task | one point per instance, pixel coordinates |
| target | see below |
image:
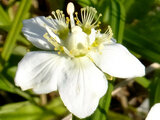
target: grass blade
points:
(4, 18)
(15, 29)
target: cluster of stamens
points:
(57, 46)
(60, 24)
(87, 15)
(87, 23)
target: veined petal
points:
(117, 61)
(34, 29)
(39, 71)
(154, 113)
(82, 87)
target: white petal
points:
(34, 29)
(154, 113)
(117, 61)
(39, 71)
(84, 84)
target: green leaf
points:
(154, 90)
(139, 44)
(20, 37)
(127, 4)
(143, 81)
(15, 29)
(114, 116)
(22, 111)
(57, 106)
(9, 87)
(138, 9)
(5, 84)
(4, 18)
(28, 111)
(84, 3)
(20, 50)
(117, 19)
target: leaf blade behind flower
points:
(15, 29)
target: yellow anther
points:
(76, 13)
(97, 32)
(57, 11)
(100, 53)
(49, 17)
(99, 22)
(110, 77)
(61, 48)
(71, 51)
(95, 44)
(55, 48)
(67, 20)
(59, 53)
(89, 48)
(77, 22)
(28, 50)
(100, 14)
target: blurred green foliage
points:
(136, 22)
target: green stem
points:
(108, 95)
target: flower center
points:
(81, 37)
(78, 42)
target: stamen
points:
(109, 33)
(52, 34)
(67, 20)
(59, 21)
(70, 11)
(60, 25)
(67, 52)
(97, 20)
(87, 15)
(77, 19)
(52, 41)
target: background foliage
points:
(136, 22)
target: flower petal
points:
(154, 113)
(117, 61)
(34, 29)
(40, 71)
(82, 87)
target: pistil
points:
(70, 11)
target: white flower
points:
(154, 113)
(75, 59)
